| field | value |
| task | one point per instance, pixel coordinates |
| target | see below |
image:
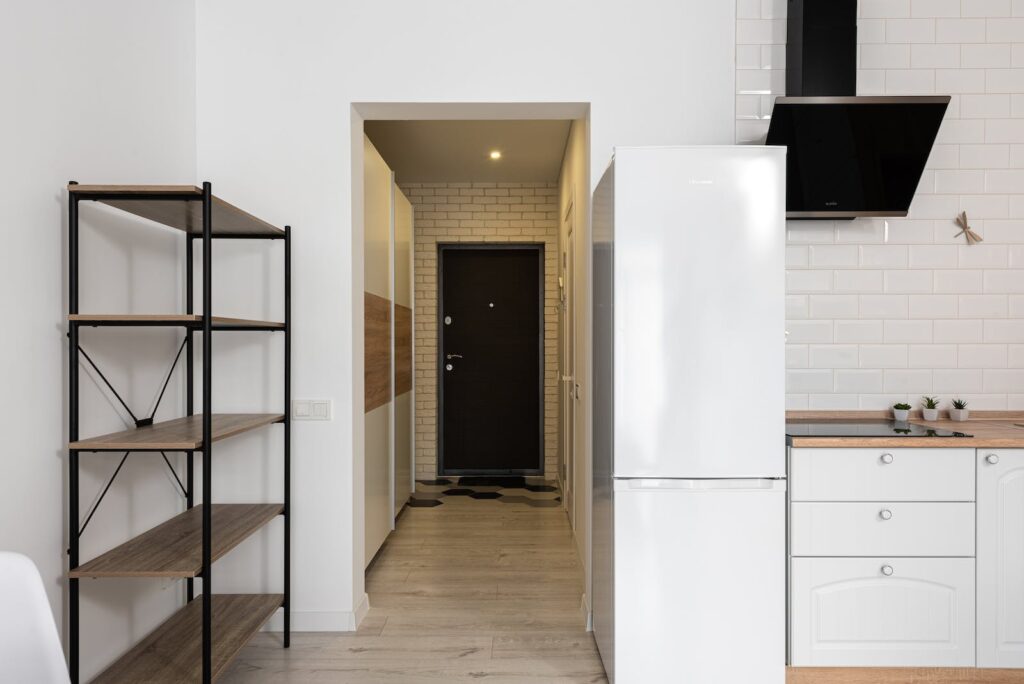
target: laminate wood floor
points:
(467, 590)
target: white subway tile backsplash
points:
(883, 310)
(955, 382)
(1003, 380)
(981, 356)
(858, 281)
(1008, 331)
(837, 256)
(808, 380)
(1010, 281)
(932, 356)
(796, 356)
(832, 356)
(960, 30)
(908, 281)
(808, 281)
(883, 356)
(918, 381)
(908, 332)
(883, 256)
(933, 256)
(983, 306)
(858, 381)
(982, 256)
(910, 31)
(933, 306)
(833, 306)
(859, 332)
(883, 8)
(808, 332)
(959, 281)
(833, 402)
(984, 156)
(883, 306)
(935, 8)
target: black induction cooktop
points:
(867, 429)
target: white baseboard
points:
(321, 620)
(586, 613)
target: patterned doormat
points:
(531, 491)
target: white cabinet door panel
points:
(848, 612)
(877, 474)
(1001, 558)
(880, 529)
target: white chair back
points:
(30, 649)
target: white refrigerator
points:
(689, 549)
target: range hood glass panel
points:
(854, 156)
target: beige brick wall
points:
(479, 212)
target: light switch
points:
(311, 409)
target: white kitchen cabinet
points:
(882, 611)
(882, 528)
(1000, 557)
(880, 474)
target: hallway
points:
(471, 589)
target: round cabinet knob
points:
(885, 514)
(887, 570)
(886, 458)
(992, 458)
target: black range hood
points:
(847, 156)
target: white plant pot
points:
(930, 414)
(959, 414)
(901, 415)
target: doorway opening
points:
(494, 529)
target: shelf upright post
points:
(207, 432)
(73, 616)
(287, 431)
(189, 391)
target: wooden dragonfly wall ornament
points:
(965, 230)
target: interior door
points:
(569, 369)
(490, 359)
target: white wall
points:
(97, 92)
(885, 311)
(276, 84)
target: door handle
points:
(453, 356)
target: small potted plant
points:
(901, 412)
(959, 411)
(930, 410)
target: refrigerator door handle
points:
(708, 485)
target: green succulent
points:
(959, 404)
(901, 406)
(930, 402)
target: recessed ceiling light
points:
(495, 154)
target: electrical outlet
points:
(312, 409)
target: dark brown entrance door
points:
(491, 338)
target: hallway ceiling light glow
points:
(495, 154)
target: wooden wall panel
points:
(376, 351)
(403, 349)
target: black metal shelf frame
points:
(206, 327)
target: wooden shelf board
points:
(180, 434)
(175, 213)
(171, 319)
(172, 653)
(175, 548)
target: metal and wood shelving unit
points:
(199, 641)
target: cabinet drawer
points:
(880, 529)
(845, 612)
(881, 474)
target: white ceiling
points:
(458, 151)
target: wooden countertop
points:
(989, 429)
